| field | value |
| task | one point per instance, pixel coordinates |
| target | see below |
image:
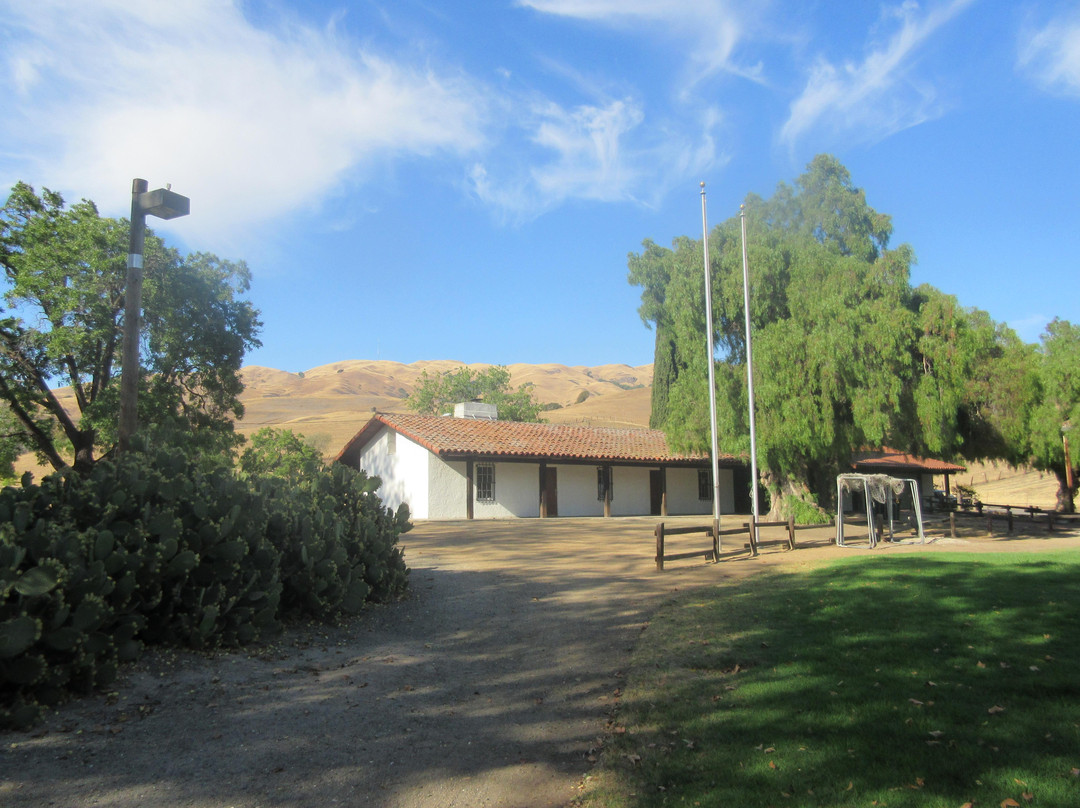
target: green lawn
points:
(934, 680)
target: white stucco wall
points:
(926, 484)
(404, 473)
(682, 488)
(630, 491)
(577, 491)
(448, 489)
(517, 492)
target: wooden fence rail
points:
(989, 511)
(789, 540)
(755, 542)
(713, 552)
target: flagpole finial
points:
(703, 186)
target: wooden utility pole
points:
(164, 204)
(129, 367)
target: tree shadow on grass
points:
(908, 680)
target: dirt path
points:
(490, 686)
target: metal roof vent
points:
(476, 411)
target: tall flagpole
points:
(712, 373)
(749, 373)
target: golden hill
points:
(329, 404)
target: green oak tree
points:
(64, 273)
(279, 453)
(437, 394)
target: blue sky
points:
(424, 179)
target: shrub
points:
(163, 547)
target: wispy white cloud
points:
(250, 122)
(878, 96)
(710, 29)
(1051, 54)
(600, 152)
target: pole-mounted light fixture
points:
(164, 204)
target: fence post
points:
(1008, 513)
(952, 524)
(715, 543)
(1050, 521)
(660, 547)
(791, 532)
(750, 530)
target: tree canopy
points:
(847, 354)
(65, 269)
(279, 453)
(1057, 409)
(437, 394)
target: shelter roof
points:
(886, 460)
(462, 438)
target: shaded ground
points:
(492, 685)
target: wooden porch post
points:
(470, 488)
(607, 489)
(663, 491)
(543, 490)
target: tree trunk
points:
(1066, 497)
(791, 498)
(84, 450)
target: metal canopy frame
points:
(892, 487)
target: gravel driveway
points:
(491, 685)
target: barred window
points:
(704, 484)
(485, 482)
(603, 480)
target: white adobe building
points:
(472, 466)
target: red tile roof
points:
(462, 437)
(885, 459)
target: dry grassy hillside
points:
(1002, 484)
(330, 403)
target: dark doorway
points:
(656, 492)
(551, 491)
(743, 501)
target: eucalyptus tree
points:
(64, 272)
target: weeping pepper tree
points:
(846, 353)
(1057, 409)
